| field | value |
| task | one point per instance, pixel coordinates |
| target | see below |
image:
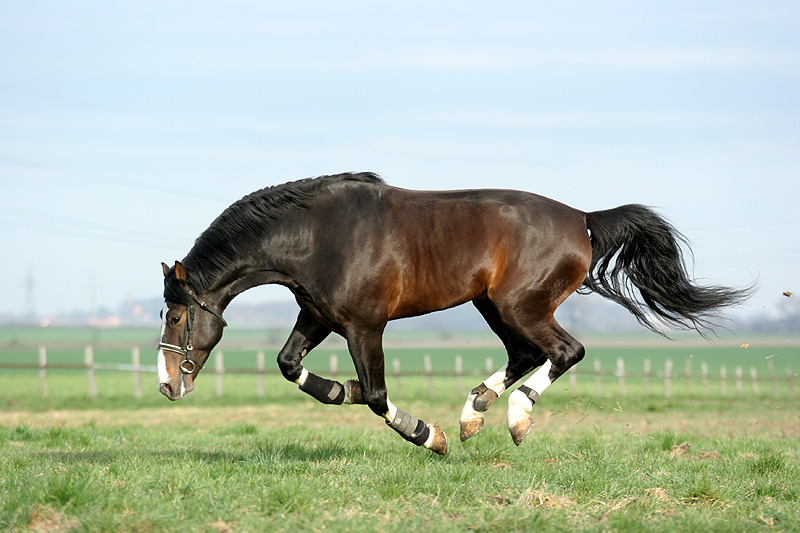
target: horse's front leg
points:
(305, 336)
(367, 352)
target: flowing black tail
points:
(637, 261)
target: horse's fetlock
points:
(484, 398)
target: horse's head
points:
(189, 331)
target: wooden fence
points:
(648, 376)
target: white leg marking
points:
(519, 405)
(432, 436)
(391, 411)
(302, 379)
(468, 412)
(495, 381)
(540, 379)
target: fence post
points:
(334, 364)
(687, 374)
(771, 369)
(754, 379)
(396, 367)
(597, 377)
(621, 374)
(219, 368)
(723, 376)
(646, 377)
(489, 366)
(704, 377)
(429, 372)
(43, 371)
(668, 378)
(260, 370)
(88, 360)
(789, 377)
(739, 385)
(136, 362)
(460, 374)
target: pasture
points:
(693, 461)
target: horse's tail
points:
(637, 261)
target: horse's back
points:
(438, 249)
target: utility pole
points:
(30, 303)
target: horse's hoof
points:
(439, 442)
(352, 392)
(470, 427)
(520, 429)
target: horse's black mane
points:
(216, 248)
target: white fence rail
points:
(780, 383)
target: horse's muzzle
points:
(176, 392)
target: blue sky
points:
(125, 128)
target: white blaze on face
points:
(163, 376)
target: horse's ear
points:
(165, 268)
(180, 273)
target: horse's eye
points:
(174, 320)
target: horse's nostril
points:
(166, 389)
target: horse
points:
(357, 253)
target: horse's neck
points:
(253, 274)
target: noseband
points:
(189, 364)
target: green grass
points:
(284, 462)
(248, 477)
(613, 462)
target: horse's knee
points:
(578, 354)
(290, 365)
(570, 354)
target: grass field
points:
(283, 462)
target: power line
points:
(106, 179)
(56, 226)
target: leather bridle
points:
(189, 363)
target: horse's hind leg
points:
(562, 352)
(306, 335)
(367, 352)
(522, 358)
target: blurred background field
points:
(417, 363)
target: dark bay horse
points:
(357, 253)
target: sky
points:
(127, 127)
